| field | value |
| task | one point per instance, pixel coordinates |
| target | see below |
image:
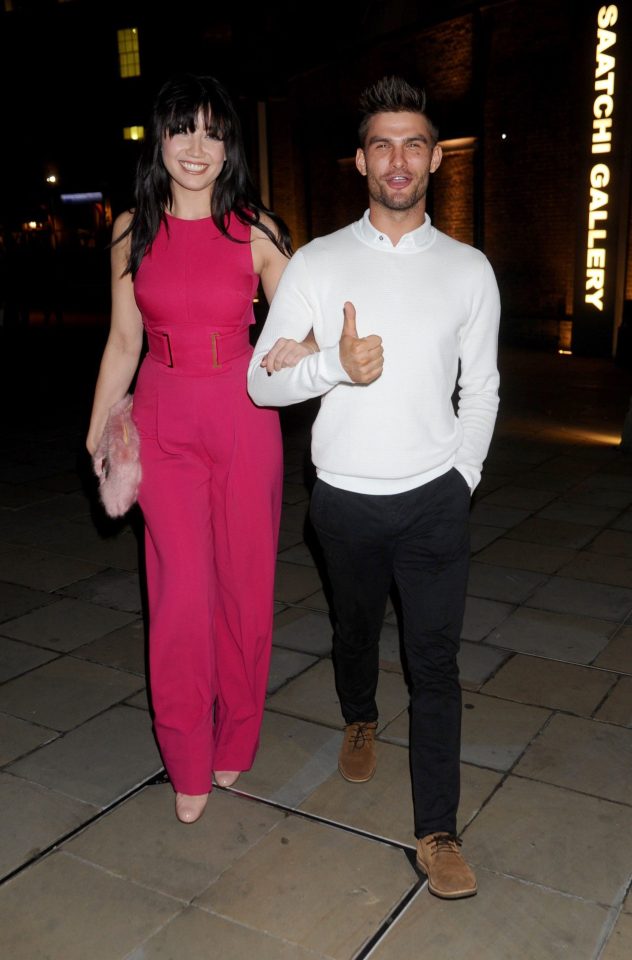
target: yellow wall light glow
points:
(133, 133)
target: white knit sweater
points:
(434, 301)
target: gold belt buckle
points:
(214, 337)
(167, 342)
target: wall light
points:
(134, 133)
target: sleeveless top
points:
(194, 275)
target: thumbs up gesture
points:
(362, 357)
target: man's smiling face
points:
(398, 157)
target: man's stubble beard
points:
(397, 202)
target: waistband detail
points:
(196, 350)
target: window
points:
(129, 55)
(133, 133)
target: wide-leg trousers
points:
(211, 500)
(419, 539)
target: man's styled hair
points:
(391, 95)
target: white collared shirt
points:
(410, 242)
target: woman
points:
(186, 263)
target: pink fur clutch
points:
(116, 461)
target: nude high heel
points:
(226, 778)
(189, 809)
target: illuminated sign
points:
(603, 116)
(81, 197)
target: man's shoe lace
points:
(445, 843)
(360, 735)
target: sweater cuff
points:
(331, 367)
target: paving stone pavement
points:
(293, 862)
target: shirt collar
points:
(415, 240)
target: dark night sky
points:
(64, 105)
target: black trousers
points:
(419, 539)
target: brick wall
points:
(287, 176)
(515, 68)
(453, 194)
(530, 193)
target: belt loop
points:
(168, 346)
(214, 337)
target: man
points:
(399, 311)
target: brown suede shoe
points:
(449, 876)
(357, 760)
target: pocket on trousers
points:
(315, 503)
(174, 415)
(320, 507)
(145, 405)
(462, 481)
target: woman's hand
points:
(287, 353)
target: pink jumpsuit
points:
(211, 499)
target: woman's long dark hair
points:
(177, 108)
